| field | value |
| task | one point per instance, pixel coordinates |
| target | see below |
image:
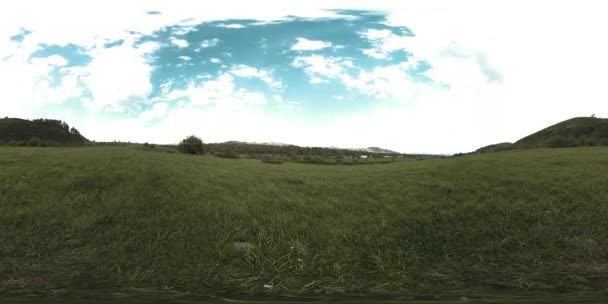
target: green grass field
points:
(125, 219)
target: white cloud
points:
(179, 42)
(254, 98)
(207, 43)
(317, 80)
(231, 25)
(56, 60)
(183, 30)
(380, 82)
(375, 53)
(119, 77)
(69, 87)
(322, 66)
(185, 58)
(220, 92)
(304, 44)
(215, 60)
(246, 71)
(31, 84)
(384, 42)
(286, 104)
(158, 110)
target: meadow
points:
(126, 220)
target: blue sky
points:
(413, 76)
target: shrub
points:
(12, 143)
(191, 145)
(34, 142)
(228, 154)
(560, 142)
(145, 144)
(272, 161)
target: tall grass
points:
(110, 218)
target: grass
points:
(125, 218)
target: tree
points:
(191, 145)
(74, 131)
(34, 142)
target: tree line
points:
(64, 125)
(254, 149)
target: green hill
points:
(575, 132)
(579, 131)
(495, 147)
(16, 131)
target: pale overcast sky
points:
(412, 76)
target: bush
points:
(229, 154)
(34, 142)
(13, 143)
(191, 145)
(560, 142)
(272, 161)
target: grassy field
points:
(125, 219)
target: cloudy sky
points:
(412, 76)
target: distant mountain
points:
(49, 131)
(235, 142)
(376, 150)
(579, 131)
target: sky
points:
(410, 76)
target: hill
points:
(133, 221)
(48, 131)
(579, 131)
(575, 132)
(495, 147)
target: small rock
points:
(268, 286)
